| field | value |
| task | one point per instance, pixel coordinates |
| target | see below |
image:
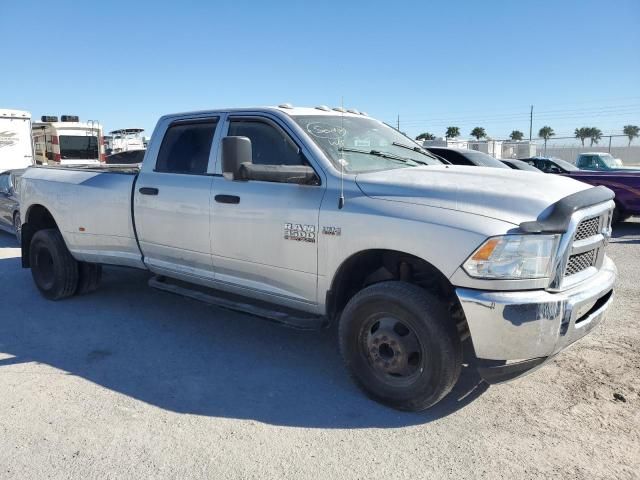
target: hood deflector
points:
(560, 214)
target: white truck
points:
(16, 147)
(312, 216)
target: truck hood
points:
(504, 194)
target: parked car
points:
(520, 165)
(315, 216)
(9, 202)
(463, 156)
(600, 161)
(551, 165)
(129, 157)
(625, 183)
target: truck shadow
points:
(187, 357)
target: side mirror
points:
(235, 152)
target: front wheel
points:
(400, 345)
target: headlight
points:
(513, 257)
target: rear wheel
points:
(54, 270)
(400, 345)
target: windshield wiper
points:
(414, 149)
(378, 153)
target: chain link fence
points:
(566, 148)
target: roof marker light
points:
(324, 108)
(339, 109)
(285, 105)
(353, 110)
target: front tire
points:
(400, 345)
(54, 270)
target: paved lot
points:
(134, 383)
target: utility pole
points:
(531, 123)
(398, 122)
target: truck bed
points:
(111, 168)
(91, 206)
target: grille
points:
(579, 262)
(588, 228)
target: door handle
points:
(227, 199)
(149, 191)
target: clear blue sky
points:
(435, 64)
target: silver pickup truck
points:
(314, 215)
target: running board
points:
(285, 316)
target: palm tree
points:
(582, 133)
(516, 135)
(546, 133)
(479, 133)
(595, 134)
(426, 136)
(631, 131)
(453, 132)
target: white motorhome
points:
(67, 142)
(16, 147)
(126, 139)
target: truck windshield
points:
(78, 147)
(364, 143)
(609, 160)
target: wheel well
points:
(37, 218)
(373, 266)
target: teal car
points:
(599, 161)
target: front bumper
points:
(529, 327)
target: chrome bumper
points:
(535, 324)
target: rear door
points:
(172, 201)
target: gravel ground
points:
(130, 382)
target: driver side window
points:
(269, 145)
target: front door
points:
(266, 242)
(172, 202)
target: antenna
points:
(341, 161)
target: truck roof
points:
(8, 113)
(288, 110)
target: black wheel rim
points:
(44, 269)
(393, 350)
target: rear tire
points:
(54, 270)
(400, 345)
(89, 276)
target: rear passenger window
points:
(185, 147)
(453, 157)
(269, 145)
